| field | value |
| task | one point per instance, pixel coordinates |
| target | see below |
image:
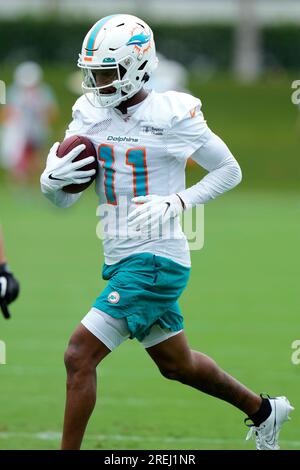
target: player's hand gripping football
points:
(9, 289)
(155, 211)
(60, 172)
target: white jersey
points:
(139, 154)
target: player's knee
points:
(179, 372)
(75, 360)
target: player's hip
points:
(148, 270)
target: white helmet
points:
(119, 52)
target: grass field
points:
(241, 306)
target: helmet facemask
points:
(100, 78)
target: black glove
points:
(9, 289)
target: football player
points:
(9, 286)
(143, 139)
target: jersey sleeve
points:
(189, 130)
(224, 173)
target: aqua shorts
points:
(144, 289)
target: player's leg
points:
(82, 356)
(103, 329)
(177, 361)
(91, 342)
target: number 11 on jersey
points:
(136, 158)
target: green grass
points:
(241, 307)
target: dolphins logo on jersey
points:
(113, 297)
(138, 40)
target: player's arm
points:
(224, 172)
(60, 172)
(190, 135)
(9, 286)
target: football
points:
(89, 151)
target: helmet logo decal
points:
(138, 40)
(94, 32)
(109, 60)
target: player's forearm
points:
(224, 173)
(214, 184)
(61, 199)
